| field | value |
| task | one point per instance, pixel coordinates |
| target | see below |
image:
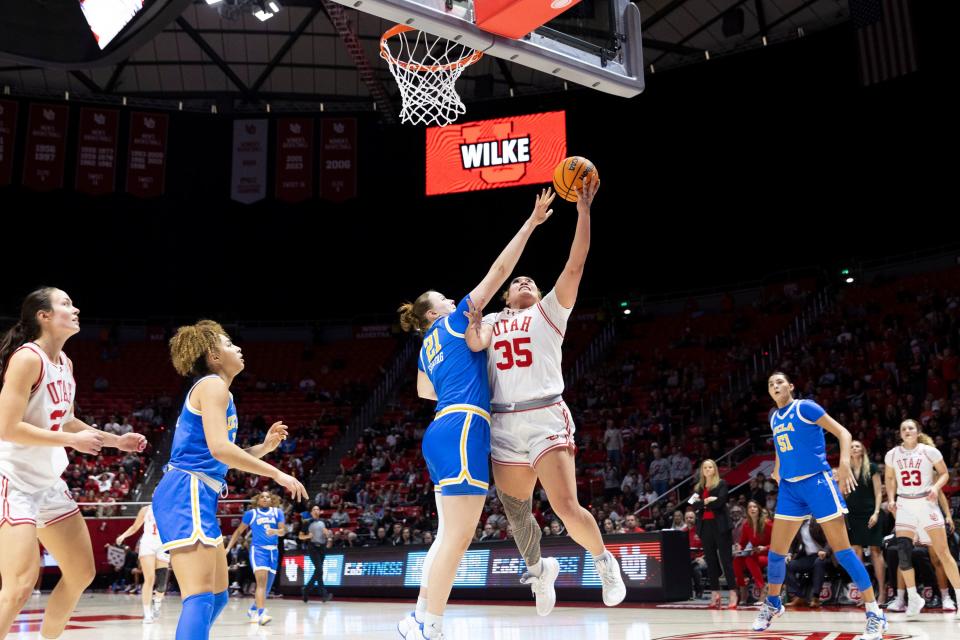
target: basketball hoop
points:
(426, 69)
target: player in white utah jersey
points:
(915, 474)
(36, 423)
(531, 435)
(154, 562)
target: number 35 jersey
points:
(523, 359)
(798, 440)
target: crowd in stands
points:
(649, 414)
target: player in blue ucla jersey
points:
(185, 501)
(807, 489)
(456, 445)
(266, 523)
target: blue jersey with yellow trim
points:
(190, 451)
(798, 440)
(258, 520)
(459, 375)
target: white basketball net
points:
(426, 69)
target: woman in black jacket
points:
(713, 527)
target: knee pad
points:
(195, 617)
(271, 576)
(163, 575)
(219, 602)
(776, 568)
(904, 552)
(854, 568)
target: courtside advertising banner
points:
(489, 154)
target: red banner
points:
(147, 163)
(294, 159)
(8, 134)
(338, 159)
(97, 151)
(46, 146)
(487, 154)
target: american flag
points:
(885, 39)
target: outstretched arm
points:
(569, 281)
(507, 260)
(213, 398)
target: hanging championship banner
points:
(46, 146)
(338, 159)
(249, 179)
(146, 166)
(8, 134)
(294, 159)
(97, 151)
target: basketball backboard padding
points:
(621, 74)
(516, 18)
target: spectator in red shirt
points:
(631, 525)
(755, 533)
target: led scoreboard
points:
(493, 569)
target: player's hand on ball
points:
(585, 196)
(275, 435)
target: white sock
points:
(874, 608)
(944, 594)
(602, 557)
(433, 622)
(912, 592)
(147, 611)
(901, 595)
(421, 609)
(535, 569)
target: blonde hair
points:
(922, 438)
(413, 315)
(864, 474)
(191, 345)
(701, 481)
(255, 500)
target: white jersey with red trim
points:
(150, 524)
(913, 467)
(31, 469)
(523, 360)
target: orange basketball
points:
(569, 175)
